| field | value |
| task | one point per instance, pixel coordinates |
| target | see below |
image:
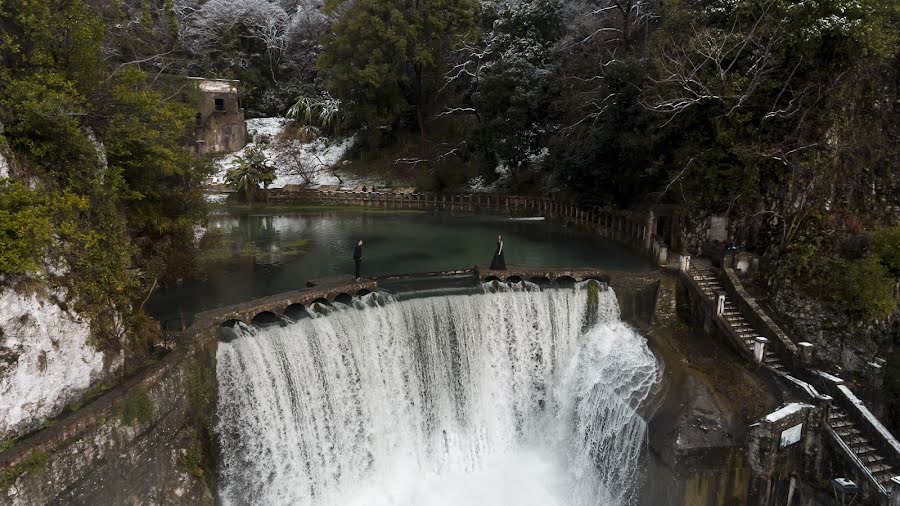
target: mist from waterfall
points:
(495, 398)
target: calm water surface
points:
(278, 252)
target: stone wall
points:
(147, 441)
(46, 359)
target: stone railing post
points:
(807, 351)
(895, 491)
(720, 303)
(759, 349)
(685, 263)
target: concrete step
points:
(884, 478)
(840, 424)
(855, 441)
(848, 431)
(863, 450)
(880, 468)
(870, 459)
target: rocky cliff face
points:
(850, 347)
(46, 359)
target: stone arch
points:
(265, 319)
(320, 303)
(296, 311)
(514, 279)
(363, 292)
(539, 280)
(602, 278)
(492, 278)
(564, 281)
(227, 331)
(344, 298)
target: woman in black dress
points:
(498, 263)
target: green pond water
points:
(253, 253)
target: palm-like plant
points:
(324, 112)
(252, 171)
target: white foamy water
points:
(492, 399)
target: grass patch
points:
(593, 302)
(92, 393)
(137, 408)
(192, 459)
(6, 444)
(34, 462)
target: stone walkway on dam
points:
(344, 288)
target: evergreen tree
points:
(383, 57)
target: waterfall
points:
(505, 397)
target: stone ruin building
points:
(220, 126)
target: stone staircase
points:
(879, 467)
(702, 274)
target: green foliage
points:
(137, 408)
(323, 113)
(192, 459)
(28, 221)
(252, 171)
(863, 289)
(34, 462)
(201, 391)
(382, 58)
(512, 94)
(593, 303)
(884, 244)
(118, 194)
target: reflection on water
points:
(263, 254)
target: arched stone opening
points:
(265, 319)
(296, 311)
(603, 278)
(539, 280)
(490, 279)
(228, 330)
(514, 279)
(319, 305)
(344, 298)
(564, 282)
(363, 292)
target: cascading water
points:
(495, 398)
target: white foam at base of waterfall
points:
(496, 398)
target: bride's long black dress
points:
(498, 263)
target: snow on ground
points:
(4, 166)
(45, 361)
(321, 154)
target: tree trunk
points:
(420, 99)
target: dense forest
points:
(781, 115)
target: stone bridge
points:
(292, 304)
(565, 276)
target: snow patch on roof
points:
(218, 87)
(786, 411)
